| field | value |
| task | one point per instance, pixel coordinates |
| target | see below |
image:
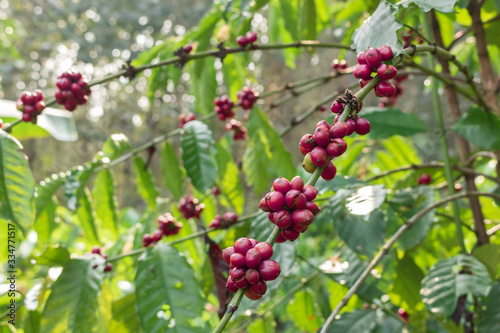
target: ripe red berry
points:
(319, 156)
(373, 58)
(335, 64)
(385, 89)
(283, 218)
(338, 130)
(313, 207)
(330, 172)
(265, 249)
(302, 217)
(295, 200)
(216, 222)
(269, 270)
(300, 228)
(308, 142)
(237, 260)
(231, 286)
(343, 64)
(250, 294)
(263, 205)
(227, 253)
(280, 238)
(253, 258)
(237, 273)
(282, 185)
(157, 235)
(350, 126)
(251, 37)
(362, 72)
(188, 48)
(275, 200)
(297, 183)
(230, 218)
(363, 82)
(362, 126)
(385, 53)
(108, 267)
(147, 240)
(322, 136)
(336, 148)
(361, 58)
(96, 249)
(241, 41)
(386, 72)
(242, 283)
(290, 234)
(310, 192)
(259, 288)
(337, 107)
(242, 245)
(323, 123)
(403, 314)
(424, 179)
(252, 276)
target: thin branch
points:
(463, 33)
(387, 246)
(417, 32)
(492, 231)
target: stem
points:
(438, 114)
(387, 246)
(231, 308)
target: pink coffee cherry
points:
(227, 253)
(330, 172)
(282, 185)
(283, 218)
(319, 156)
(362, 126)
(253, 258)
(385, 53)
(265, 250)
(373, 58)
(269, 270)
(297, 183)
(338, 130)
(275, 200)
(237, 260)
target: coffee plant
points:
(383, 218)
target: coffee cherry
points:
(364, 82)
(275, 200)
(242, 283)
(312, 206)
(108, 267)
(282, 185)
(247, 97)
(350, 126)
(251, 37)
(373, 58)
(269, 270)
(330, 172)
(343, 64)
(310, 192)
(264, 206)
(386, 72)
(283, 218)
(147, 240)
(337, 107)
(336, 148)
(385, 89)
(361, 58)
(338, 130)
(96, 249)
(157, 235)
(241, 41)
(322, 136)
(189, 207)
(184, 118)
(290, 234)
(302, 217)
(265, 249)
(362, 126)
(252, 276)
(237, 273)
(230, 218)
(403, 314)
(319, 156)
(385, 53)
(259, 287)
(323, 123)
(308, 142)
(308, 163)
(297, 183)
(188, 48)
(300, 228)
(250, 294)
(424, 179)
(295, 200)
(335, 64)
(216, 222)
(223, 107)
(242, 245)
(362, 72)
(253, 258)
(280, 238)
(270, 216)
(227, 253)
(237, 260)
(231, 286)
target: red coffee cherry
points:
(108, 267)
(323, 123)
(297, 183)
(282, 185)
(350, 126)
(254, 242)
(424, 179)
(241, 41)
(238, 273)
(227, 253)
(337, 107)
(361, 58)
(386, 72)
(290, 234)
(338, 130)
(322, 136)
(373, 58)
(330, 172)
(362, 72)
(265, 249)
(403, 314)
(252, 276)
(231, 286)
(320, 156)
(247, 97)
(269, 270)
(308, 142)
(302, 217)
(300, 228)
(147, 240)
(251, 37)
(364, 82)
(385, 53)
(336, 148)
(242, 245)
(185, 118)
(223, 107)
(188, 48)
(237, 260)
(216, 222)
(295, 200)
(275, 200)
(96, 249)
(242, 283)
(72, 90)
(385, 89)
(310, 192)
(253, 258)
(157, 235)
(250, 294)
(264, 206)
(283, 219)
(259, 287)
(362, 126)
(312, 206)
(280, 238)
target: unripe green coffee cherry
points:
(308, 163)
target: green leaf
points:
(124, 315)
(387, 122)
(72, 304)
(106, 205)
(357, 321)
(168, 295)
(282, 22)
(489, 255)
(86, 217)
(304, 312)
(54, 255)
(145, 182)
(379, 29)
(405, 290)
(265, 157)
(172, 170)
(443, 6)
(45, 191)
(198, 152)
(229, 176)
(480, 128)
(115, 145)
(45, 222)
(235, 73)
(489, 321)
(307, 20)
(261, 325)
(32, 322)
(17, 187)
(451, 278)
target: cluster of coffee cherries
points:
(97, 250)
(72, 90)
(372, 61)
(240, 131)
(250, 267)
(224, 221)
(408, 37)
(249, 38)
(291, 207)
(339, 64)
(425, 179)
(247, 97)
(31, 104)
(223, 107)
(184, 118)
(167, 226)
(189, 207)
